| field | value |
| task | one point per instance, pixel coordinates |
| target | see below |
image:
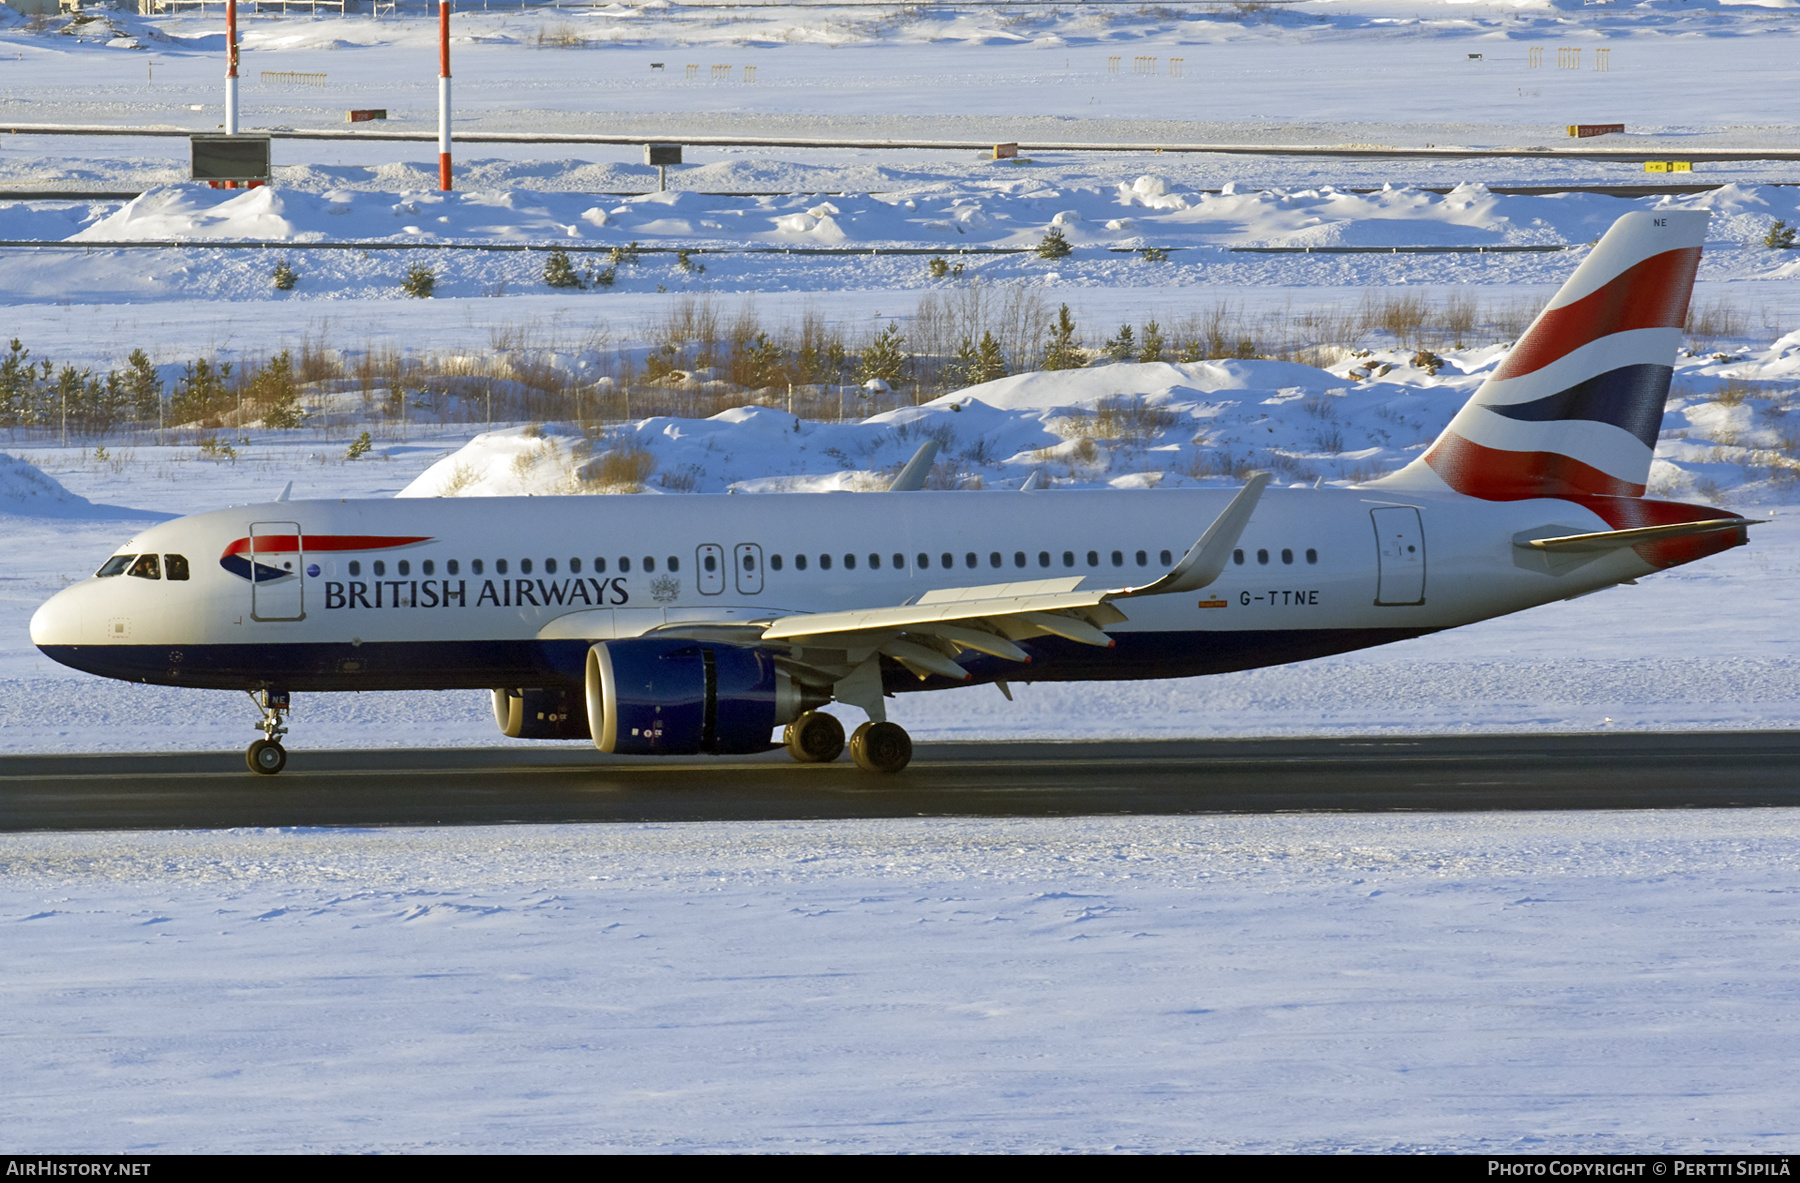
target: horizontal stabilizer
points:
(1605, 540)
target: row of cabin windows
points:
(946, 560)
(146, 567)
(972, 560)
(502, 567)
(1287, 556)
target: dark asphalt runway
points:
(565, 784)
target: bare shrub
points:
(622, 469)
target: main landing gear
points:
(266, 755)
(818, 738)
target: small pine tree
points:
(419, 282)
(936, 268)
(285, 276)
(603, 279)
(1152, 348)
(1123, 345)
(684, 259)
(361, 446)
(559, 272)
(989, 361)
(1054, 246)
(624, 256)
(142, 385)
(885, 358)
(1062, 351)
(1780, 236)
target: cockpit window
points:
(175, 567)
(146, 567)
(114, 566)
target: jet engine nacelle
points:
(649, 697)
(541, 714)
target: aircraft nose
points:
(57, 621)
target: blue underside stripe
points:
(1630, 398)
(450, 665)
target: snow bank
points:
(1148, 211)
(26, 489)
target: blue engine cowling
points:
(541, 714)
(649, 697)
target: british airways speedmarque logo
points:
(261, 559)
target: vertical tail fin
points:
(1575, 408)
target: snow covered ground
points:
(1517, 983)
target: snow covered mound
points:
(1040, 390)
(1727, 430)
(25, 489)
(1148, 211)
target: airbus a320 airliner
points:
(680, 625)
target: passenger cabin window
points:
(1043, 558)
(356, 567)
(175, 567)
(710, 562)
(949, 560)
(993, 558)
(524, 566)
(499, 567)
(1312, 556)
(380, 567)
(624, 565)
(874, 562)
(146, 567)
(1093, 558)
(775, 562)
(574, 566)
(674, 563)
(1262, 556)
(429, 567)
(549, 566)
(405, 567)
(899, 562)
(969, 559)
(1118, 558)
(849, 562)
(649, 563)
(924, 561)
(599, 566)
(824, 562)
(1018, 558)
(114, 566)
(1237, 556)
(475, 565)
(1167, 559)
(1143, 560)
(1287, 556)
(800, 562)
(1068, 558)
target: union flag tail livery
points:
(1575, 408)
(681, 625)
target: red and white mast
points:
(231, 65)
(443, 95)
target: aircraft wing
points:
(926, 635)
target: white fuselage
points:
(485, 592)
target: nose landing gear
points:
(266, 756)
